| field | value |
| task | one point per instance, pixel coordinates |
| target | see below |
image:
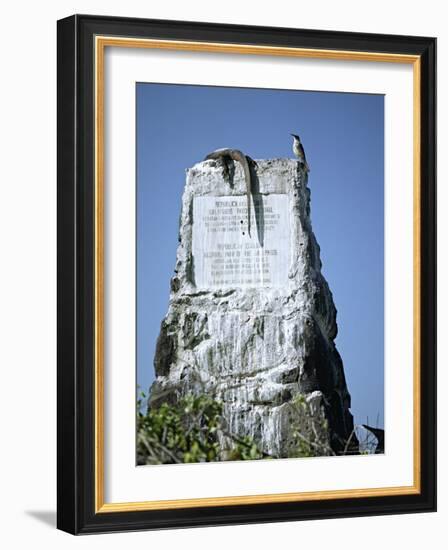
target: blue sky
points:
(343, 136)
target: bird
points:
(299, 151)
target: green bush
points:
(188, 432)
(194, 430)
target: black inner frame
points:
(76, 472)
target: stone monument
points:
(251, 320)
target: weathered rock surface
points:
(257, 332)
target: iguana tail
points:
(241, 158)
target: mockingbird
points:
(299, 151)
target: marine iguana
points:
(234, 154)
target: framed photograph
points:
(246, 274)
